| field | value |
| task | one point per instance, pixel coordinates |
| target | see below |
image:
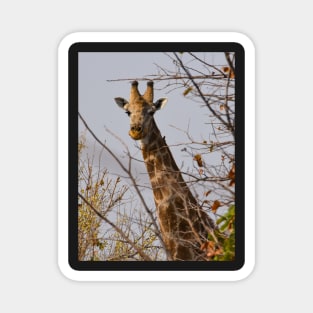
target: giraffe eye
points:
(127, 112)
(151, 112)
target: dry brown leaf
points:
(226, 69)
(231, 176)
(207, 193)
(185, 93)
(198, 159)
(211, 249)
(215, 206)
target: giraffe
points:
(183, 224)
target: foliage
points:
(102, 199)
(103, 193)
(226, 224)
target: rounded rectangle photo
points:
(156, 156)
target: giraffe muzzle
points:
(136, 132)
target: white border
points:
(249, 156)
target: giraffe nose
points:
(136, 131)
(136, 128)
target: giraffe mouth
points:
(135, 134)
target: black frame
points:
(73, 155)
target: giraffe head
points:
(140, 109)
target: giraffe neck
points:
(178, 212)
(161, 166)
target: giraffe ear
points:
(160, 103)
(121, 102)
